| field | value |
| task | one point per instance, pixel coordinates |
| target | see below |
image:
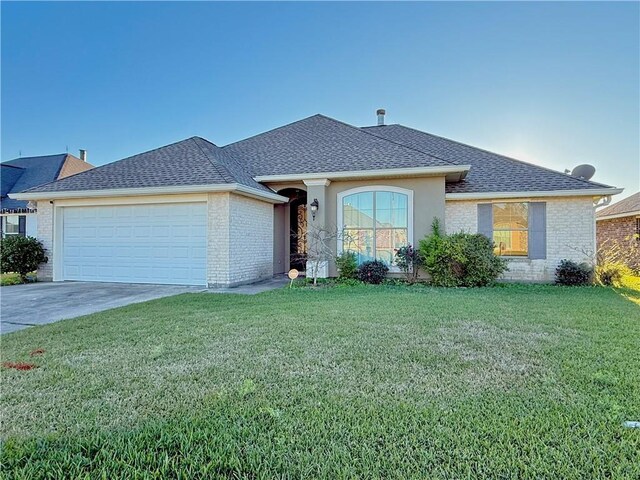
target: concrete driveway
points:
(23, 306)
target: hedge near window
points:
(460, 259)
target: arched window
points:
(376, 221)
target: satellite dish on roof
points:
(585, 172)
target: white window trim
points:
(376, 188)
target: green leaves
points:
(460, 259)
(21, 255)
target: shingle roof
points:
(628, 205)
(316, 144)
(490, 172)
(27, 172)
(193, 161)
(321, 144)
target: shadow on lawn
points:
(630, 294)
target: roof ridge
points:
(11, 166)
(221, 169)
(386, 139)
(35, 156)
(271, 130)
(588, 182)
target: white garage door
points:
(159, 243)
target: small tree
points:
(21, 255)
(409, 260)
(321, 245)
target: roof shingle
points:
(321, 144)
(193, 161)
(317, 144)
(26, 172)
(628, 205)
(490, 172)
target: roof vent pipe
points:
(380, 112)
(83, 155)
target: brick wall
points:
(240, 241)
(251, 239)
(620, 231)
(570, 234)
(45, 235)
(218, 239)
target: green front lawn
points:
(357, 382)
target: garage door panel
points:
(164, 243)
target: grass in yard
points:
(358, 382)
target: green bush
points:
(7, 279)
(460, 260)
(347, 264)
(21, 255)
(348, 282)
(572, 273)
(372, 272)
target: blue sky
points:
(557, 84)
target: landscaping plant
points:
(460, 259)
(21, 255)
(616, 259)
(373, 271)
(347, 265)
(409, 259)
(571, 273)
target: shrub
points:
(348, 282)
(21, 255)
(10, 279)
(461, 259)
(611, 273)
(572, 273)
(347, 264)
(372, 272)
(409, 260)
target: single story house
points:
(18, 217)
(618, 227)
(196, 213)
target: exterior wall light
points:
(314, 207)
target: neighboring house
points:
(195, 213)
(619, 224)
(18, 217)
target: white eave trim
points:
(171, 190)
(593, 192)
(634, 213)
(349, 174)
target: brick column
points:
(45, 235)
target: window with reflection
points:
(511, 229)
(376, 223)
